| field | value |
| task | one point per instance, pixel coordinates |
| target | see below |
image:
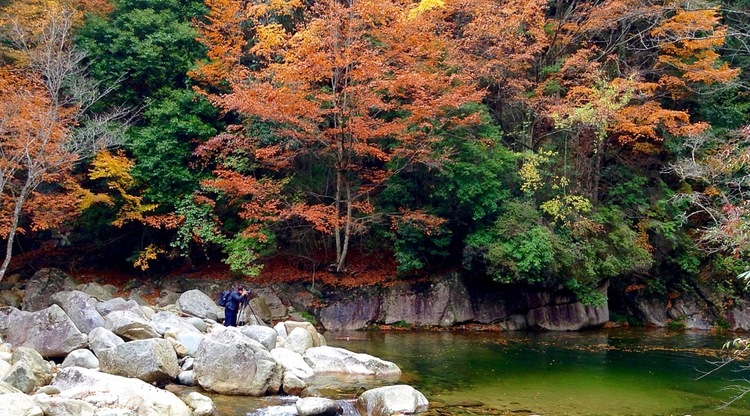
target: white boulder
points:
(100, 389)
(18, 404)
(390, 400)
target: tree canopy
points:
(558, 144)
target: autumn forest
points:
(551, 143)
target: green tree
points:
(174, 122)
(150, 47)
(146, 45)
(467, 192)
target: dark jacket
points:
(234, 301)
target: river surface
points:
(616, 372)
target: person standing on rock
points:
(232, 307)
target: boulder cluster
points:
(86, 353)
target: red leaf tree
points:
(356, 89)
(44, 126)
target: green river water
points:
(617, 372)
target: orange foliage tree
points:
(590, 77)
(358, 89)
(44, 129)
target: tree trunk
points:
(12, 232)
(341, 265)
(337, 224)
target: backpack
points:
(224, 297)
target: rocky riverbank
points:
(78, 349)
(450, 301)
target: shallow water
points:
(619, 372)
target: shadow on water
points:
(618, 372)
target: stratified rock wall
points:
(449, 301)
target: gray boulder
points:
(191, 341)
(186, 378)
(97, 291)
(267, 299)
(292, 385)
(692, 311)
(178, 347)
(352, 314)
(49, 331)
(6, 316)
(166, 321)
(18, 404)
(281, 331)
(258, 312)
(198, 324)
(59, 406)
(263, 334)
(136, 397)
(102, 338)
(289, 326)
(119, 304)
(292, 362)
(338, 360)
(81, 358)
(299, 340)
(196, 303)
(317, 406)
(229, 362)
(201, 405)
(150, 360)
(48, 390)
(6, 388)
(28, 371)
(390, 400)
(41, 287)
(737, 316)
(167, 297)
(130, 325)
(79, 309)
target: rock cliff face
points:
(444, 301)
(451, 301)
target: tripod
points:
(242, 315)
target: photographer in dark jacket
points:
(236, 298)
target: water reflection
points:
(614, 372)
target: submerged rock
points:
(317, 406)
(338, 360)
